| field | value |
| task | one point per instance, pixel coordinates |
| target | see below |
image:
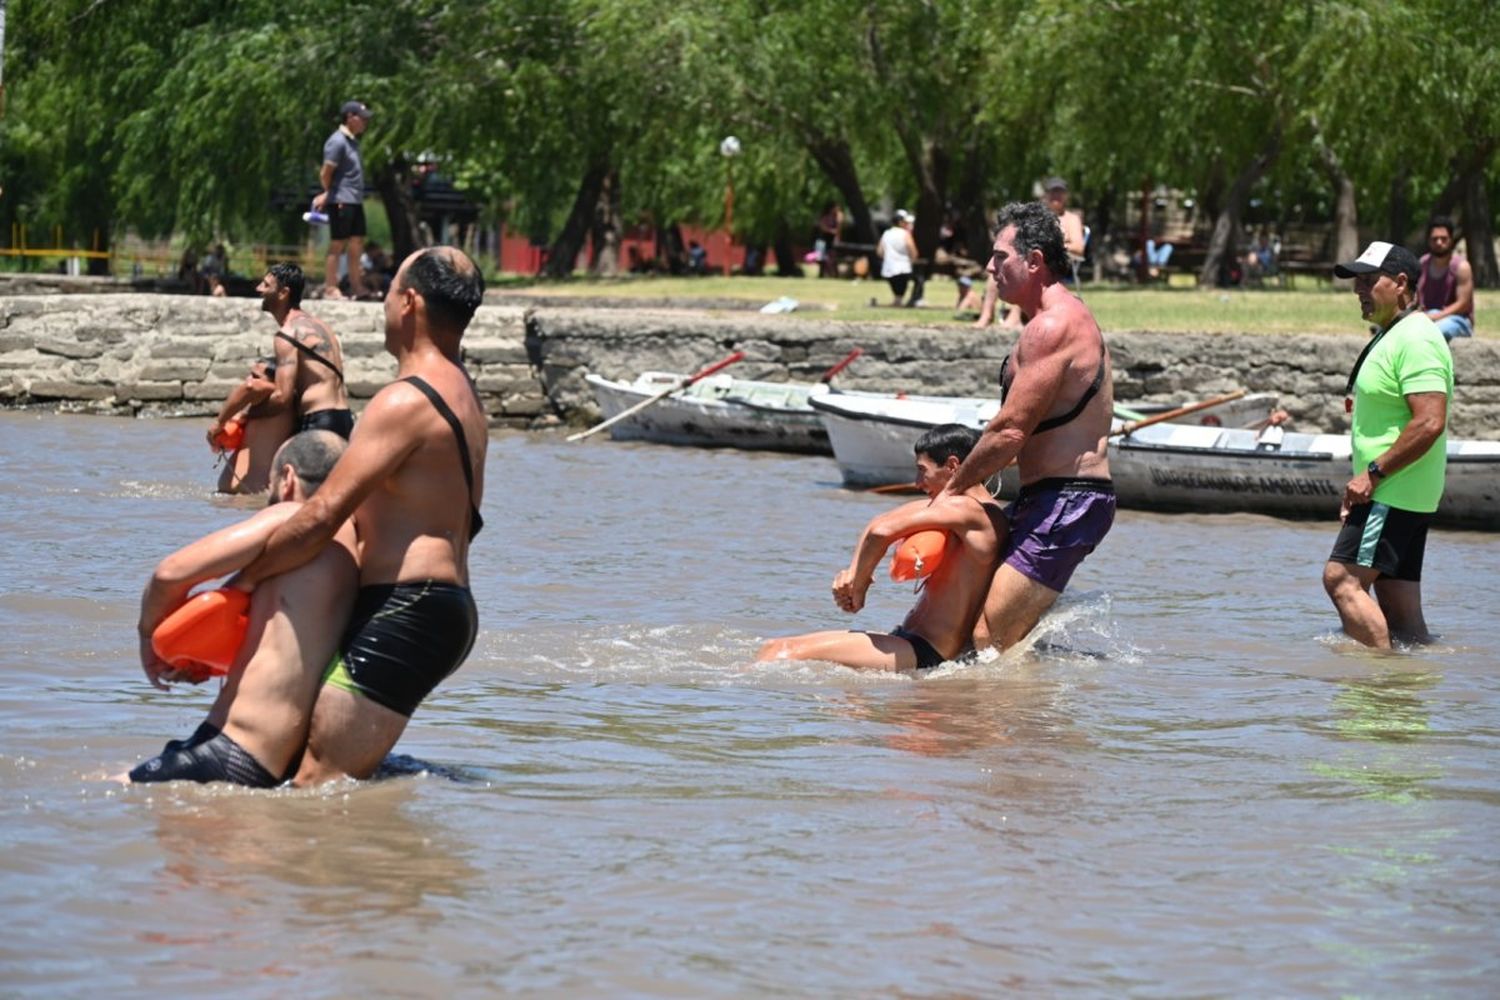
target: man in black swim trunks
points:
(258, 725)
(412, 481)
(308, 366)
(1057, 401)
(938, 626)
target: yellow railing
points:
(18, 247)
(135, 256)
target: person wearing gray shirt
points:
(342, 198)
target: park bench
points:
(1302, 260)
(844, 255)
(1187, 258)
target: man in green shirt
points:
(1398, 393)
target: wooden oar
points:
(848, 360)
(1181, 411)
(677, 386)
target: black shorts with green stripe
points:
(1387, 539)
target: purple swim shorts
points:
(1054, 524)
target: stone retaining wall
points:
(158, 354)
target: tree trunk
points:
(393, 183)
(1103, 214)
(1466, 186)
(930, 167)
(1479, 233)
(787, 265)
(837, 163)
(1222, 245)
(569, 243)
(925, 155)
(1398, 217)
(979, 243)
(1462, 166)
(1211, 198)
(606, 229)
(1345, 225)
(1345, 210)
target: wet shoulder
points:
(312, 333)
(1047, 332)
(969, 509)
(455, 395)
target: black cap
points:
(354, 108)
(1054, 184)
(1390, 258)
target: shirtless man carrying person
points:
(937, 628)
(259, 723)
(412, 480)
(1057, 400)
(307, 381)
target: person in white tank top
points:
(897, 250)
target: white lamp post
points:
(729, 149)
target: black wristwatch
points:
(1374, 470)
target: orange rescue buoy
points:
(231, 437)
(205, 634)
(918, 554)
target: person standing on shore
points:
(1399, 394)
(412, 480)
(897, 251)
(343, 199)
(1056, 401)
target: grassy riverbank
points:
(1179, 309)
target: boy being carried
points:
(939, 625)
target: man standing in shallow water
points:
(1056, 402)
(412, 479)
(307, 378)
(1398, 393)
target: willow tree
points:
(560, 97)
(57, 139)
(193, 116)
(790, 81)
(1454, 108)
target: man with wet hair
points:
(1445, 288)
(1056, 401)
(1075, 242)
(304, 377)
(1398, 394)
(938, 626)
(411, 481)
(258, 725)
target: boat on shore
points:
(1169, 466)
(872, 434)
(1172, 467)
(719, 411)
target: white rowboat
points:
(719, 411)
(1168, 466)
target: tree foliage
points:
(573, 118)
